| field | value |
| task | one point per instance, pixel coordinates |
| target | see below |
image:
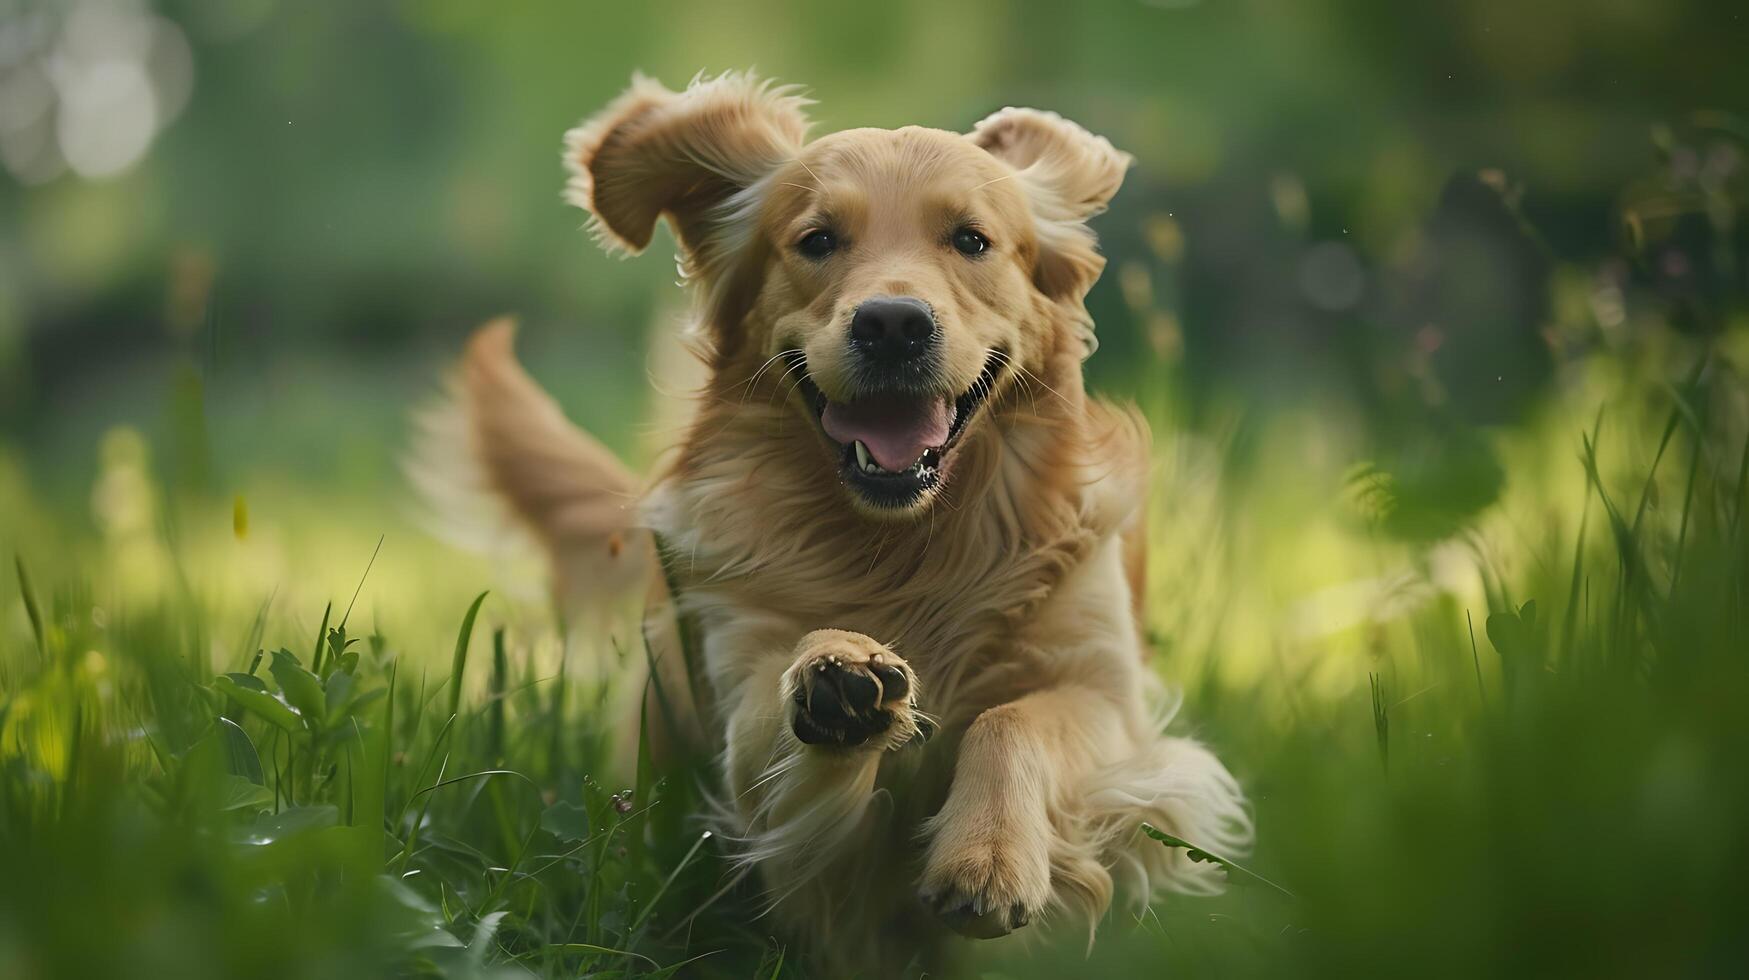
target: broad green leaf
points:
(337, 696)
(240, 755)
(288, 823)
(249, 681)
(354, 705)
(566, 821)
(265, 706)
(300, 687)
(360, 700)
(436, 938)
(1506, 631)
(424, 925)
(484, 930)
(237, 793)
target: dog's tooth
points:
(862, 455)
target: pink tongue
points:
(895, 428)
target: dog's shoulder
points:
(1116, 453)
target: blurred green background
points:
(1435, 309)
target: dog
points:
(907, 543)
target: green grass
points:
(323, 812)
(1533, 765)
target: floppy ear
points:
(1070, 175)
(693, 156)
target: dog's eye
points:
(968, 242)
(817, 245)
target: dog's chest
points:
(760, 563)
(947, 606)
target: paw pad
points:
(840, 700)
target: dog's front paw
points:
(985, 889)
(846, 689)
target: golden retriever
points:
(909, 543)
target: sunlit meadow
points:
(1441, 321)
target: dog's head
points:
(894, 282)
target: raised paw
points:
(847, 690)
(985, 891)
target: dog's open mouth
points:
(895, 445)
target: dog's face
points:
(898, 287)
(893, 282)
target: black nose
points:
(892, 328)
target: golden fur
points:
(1016, 771)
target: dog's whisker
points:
(1022, 376)
(778, 389)
(1023, 372)
(986, 383)
(771, 772)
(804, 165)
(880, 542)
(794, 352)
(795, 375)
(770, 361)
(995, 180)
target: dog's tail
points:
(498, 462)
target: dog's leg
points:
(992, 845)
(1048, 798)
(805, 739)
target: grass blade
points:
(31, 609)
(321, 641)
(459, 662)
(603, 950)
(668, 882)
(1381, 719)
(1196, 853)
(1476, 658)
(495, 705)
(1688, 500)
(361, 579)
